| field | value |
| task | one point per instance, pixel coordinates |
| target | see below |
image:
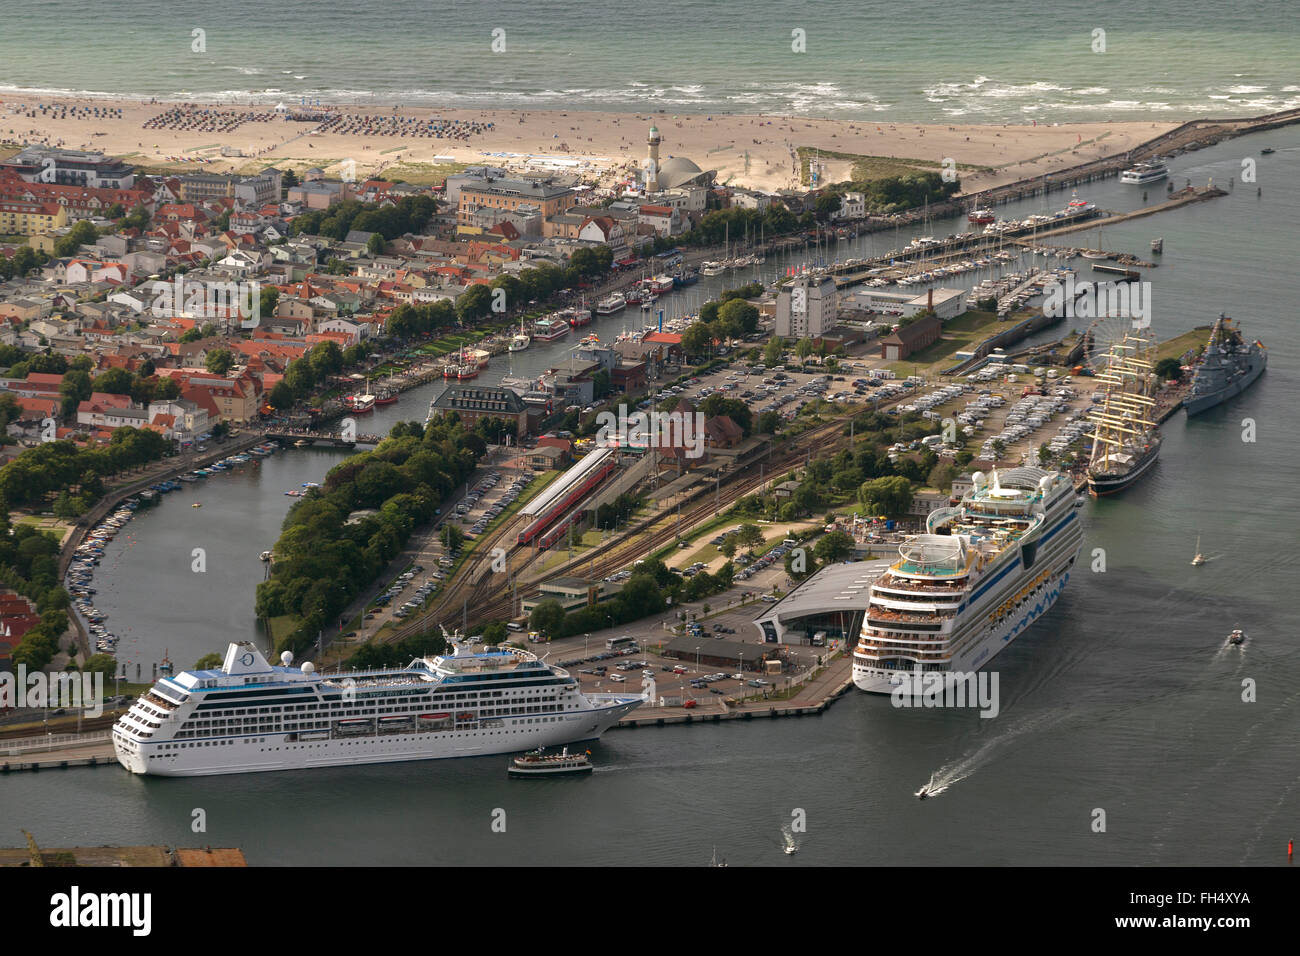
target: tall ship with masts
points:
(1126, 442)
(1227, 368)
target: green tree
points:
(941, 476)
(495, 632)
(219, 361)
(803, 348)
(375, 245)
(281, 396)
(115, 381)
(474, 303)
(826, 206)
(768, 423)
(326, 359)
(835, 546)
(1170, 369)
(267, 299)
(547, 617)
(208, 662)
(104, 664)
(697, 340)
(739, 317)
(451, 537)
(773, 351)
(81, 234)
(886, 497)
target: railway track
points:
(488, 596)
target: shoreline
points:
(751, 149)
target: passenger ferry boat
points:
(980, 575)
(360, 403)
(611, 304)
(548, 330)
(536, 764)
(712, 268)
(1127, 440)
(249, 716)
(1143, 173)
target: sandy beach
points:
(757, 151)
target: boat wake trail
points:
(952, 773)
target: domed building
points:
(680, 171)
(672, 174)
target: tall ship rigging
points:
(1126, 441)
(248, 716)
(982, 573)
(1227, 368)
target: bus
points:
(623, 643)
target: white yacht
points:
(611, 304)
(1143, 173)
(982, 573)
(249, 716)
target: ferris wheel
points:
(1107, 332)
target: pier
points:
(57, 752)
(956, 247)
(317, 437)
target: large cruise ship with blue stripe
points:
(249, 716)
(982, 573)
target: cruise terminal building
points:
(833, 601)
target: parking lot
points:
(780, 389)
(1004, 404)
(609, 671)
(487, 499)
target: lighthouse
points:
(652, 162)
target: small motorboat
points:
(1237, 637)
(1199, 558)
(1266, 151)
(923, 794)
(196, 505)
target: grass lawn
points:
(422, 174)
(47, 524)
(1175, 347)
(283, 626)
(962, 332)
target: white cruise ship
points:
(249, 716)
(982, 573)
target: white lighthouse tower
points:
(652, 162)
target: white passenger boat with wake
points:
(249, 716)
(982, 573)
